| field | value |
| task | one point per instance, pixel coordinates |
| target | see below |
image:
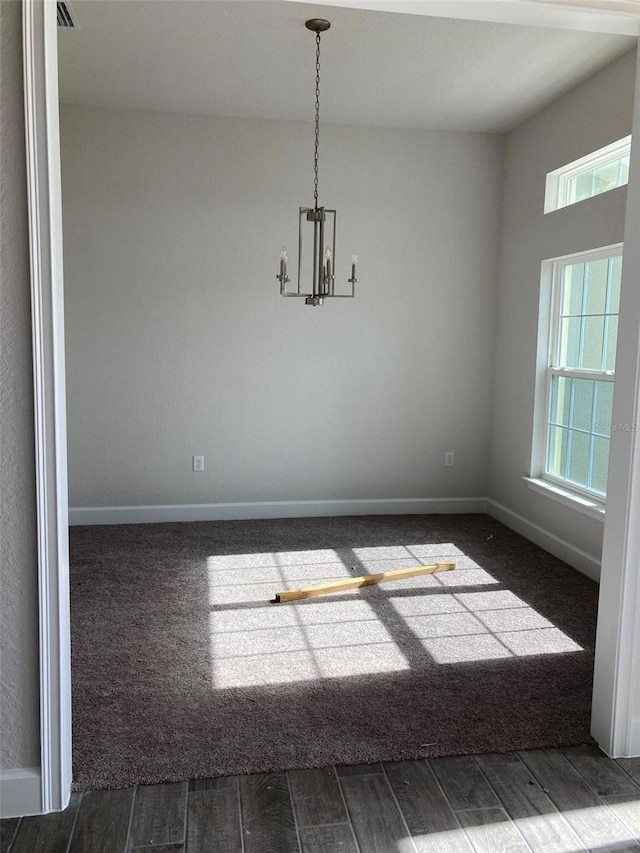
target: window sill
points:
(592, 508)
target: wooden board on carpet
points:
(330, 587)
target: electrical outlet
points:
(449, 459)
(198, 463)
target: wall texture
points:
(591, 116)
(178, 342)
(19, 680)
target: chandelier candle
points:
(354, 261)
(323, 220)
(283, 277)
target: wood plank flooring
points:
(542, 801)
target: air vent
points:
(66, 18)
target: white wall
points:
(178, 342)
(19, 664)
(591, 116)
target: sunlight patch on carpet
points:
(487, 625)
(397, 626)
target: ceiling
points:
(254, 58)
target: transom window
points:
(581, 371)
(598, 172)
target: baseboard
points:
(271, 509)
(585, 563)
(579, 559)
(20, 792)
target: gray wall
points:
(19, 717)
(178, 342)
(591, 116)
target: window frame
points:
(548, 331)
(557, 181)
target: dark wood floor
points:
(551, 801)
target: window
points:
(581, 369)
(596, 173)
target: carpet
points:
(182, 668)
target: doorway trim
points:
(617, 682)
(615, 722)
(42, 136)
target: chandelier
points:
(321, 236)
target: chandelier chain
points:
(317, 123)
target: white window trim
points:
(586, 506)
(556, 183)
(545, 484)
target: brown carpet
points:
(183, 669)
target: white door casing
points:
(616, 687)
(42, 133)
(617, 681)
